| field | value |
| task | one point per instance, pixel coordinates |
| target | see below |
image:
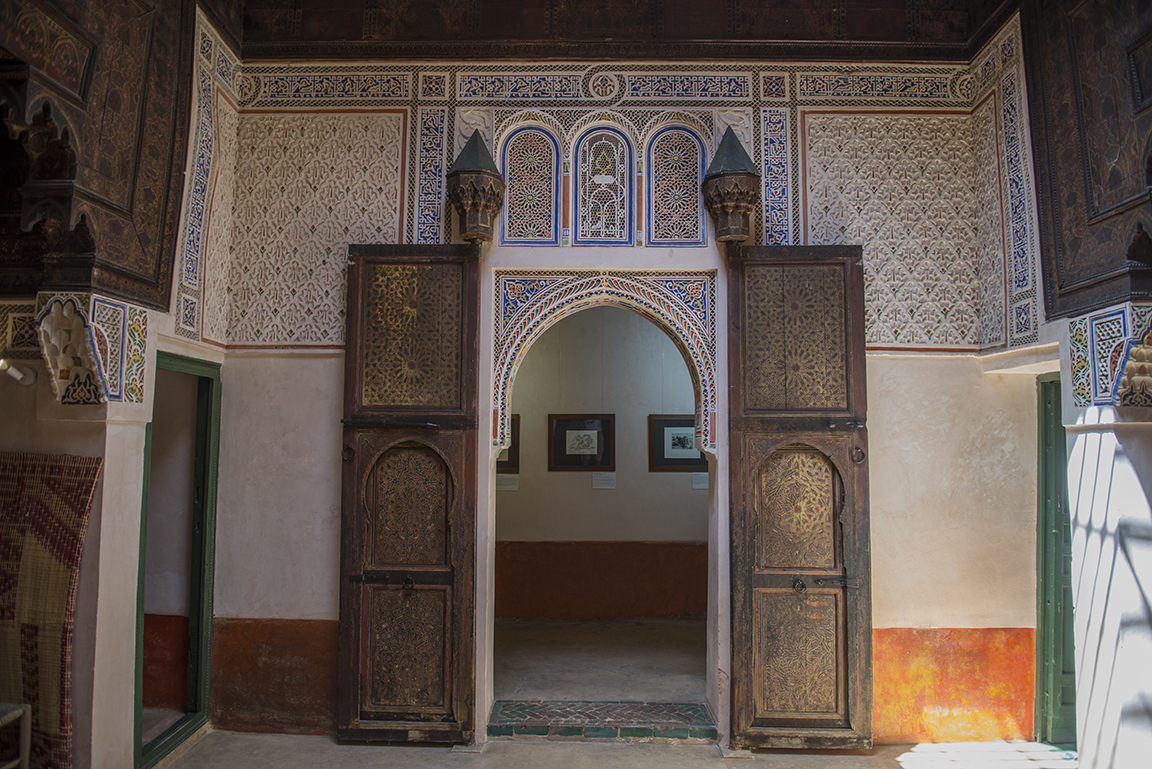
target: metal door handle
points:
(409, 583)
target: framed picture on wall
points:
(508, 460)
(672, 445)
(581, 442)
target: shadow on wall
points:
(1112, 575)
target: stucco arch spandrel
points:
(678, 119)
(529, 118)
(599, 119)
(682, 303)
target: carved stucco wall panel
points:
(308, 185)
(901, 184)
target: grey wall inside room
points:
(168, 559)
(604, 360)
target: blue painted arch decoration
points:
(530, 162)
(674, 165)
(603, 199)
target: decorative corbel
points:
(732, 189)
(66, 345)
(1135, 385)
(475, 189)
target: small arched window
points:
(603, 180)
(675, 208)
(531, 163)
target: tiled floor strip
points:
(602, 720)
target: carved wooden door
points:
(801, 601)
(409, 498)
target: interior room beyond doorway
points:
(601, 582)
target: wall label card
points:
(507, 482)
(603, 480)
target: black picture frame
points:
(598, 458)
(666, 428)
(510, 465)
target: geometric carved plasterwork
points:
(675, 163)
(680, 303)
(307, 186)
(982, 295)
(989, 224)
(530, 159)
(94, 348)
(69, 351)
(19, 339)
(1099, 345)
(901, 184)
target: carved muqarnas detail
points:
(68, 354)
(1135, 386)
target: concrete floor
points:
(641, 660)
(233, 750)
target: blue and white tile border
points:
(214, 66)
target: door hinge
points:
(851, 582)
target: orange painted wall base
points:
(953, 684)
(934, 685)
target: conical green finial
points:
(474, 157)
(731, 158)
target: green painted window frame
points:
(203, 565)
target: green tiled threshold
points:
(631, 721)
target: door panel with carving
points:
(801, 635)
(407, 546)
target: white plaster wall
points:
(278, 498)
(953, 493)
(1109, 477)
(603, 360)
(168, 556)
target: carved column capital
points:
(732, 200)
(731, 189)
(475, 189)
(477, 197)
